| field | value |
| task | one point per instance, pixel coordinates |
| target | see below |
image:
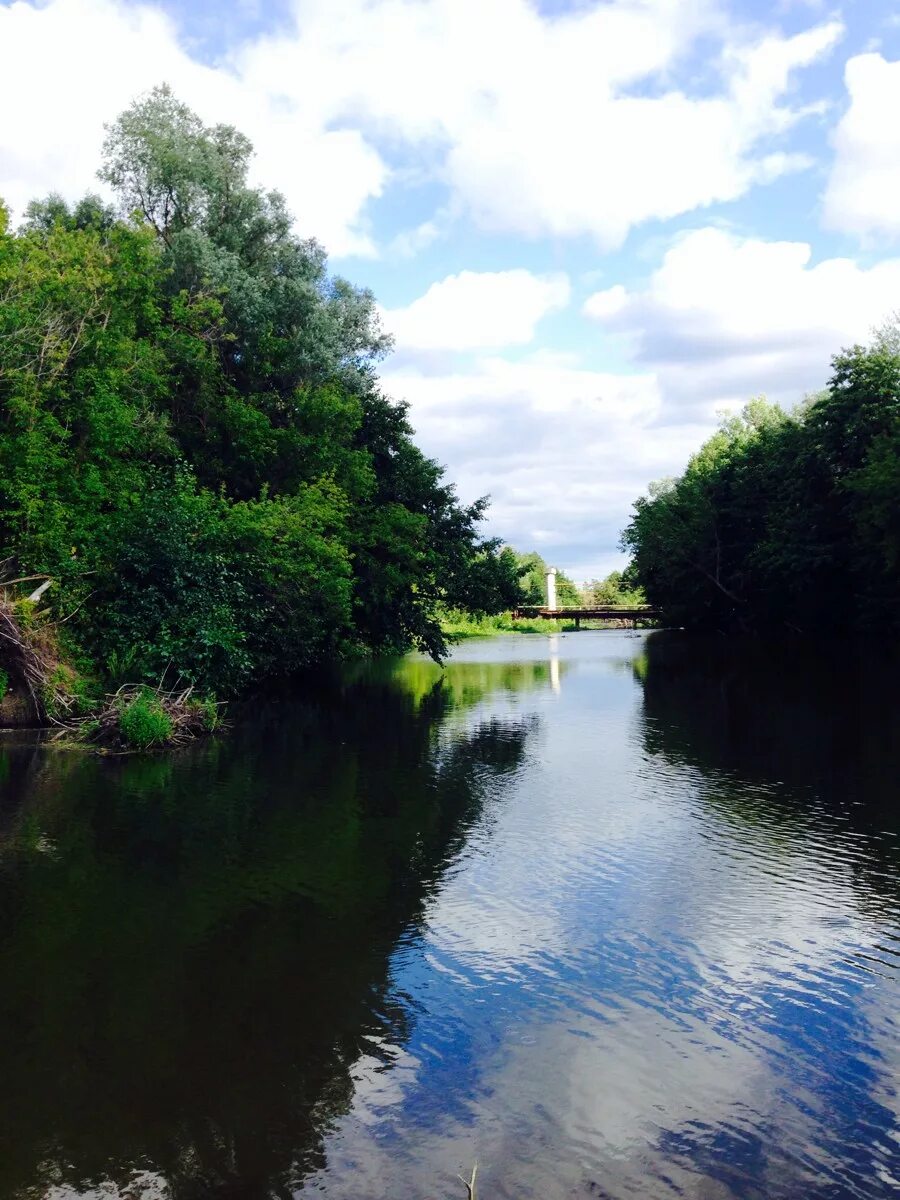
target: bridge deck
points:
(606, 612)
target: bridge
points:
(600, 612)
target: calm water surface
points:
(613, 914)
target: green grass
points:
(457, 625)
(144, 723)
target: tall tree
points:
(193, 440)
(785, 519)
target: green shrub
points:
(4, 684)
(208, 710)
(121, 665)
(144, 723)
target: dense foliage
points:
(618, 587)
(786, 519)
(193, 441)
(533, 582)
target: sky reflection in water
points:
(614, 914)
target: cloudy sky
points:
(592, 224)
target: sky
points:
(592, 226)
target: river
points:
(613, 914)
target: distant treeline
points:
(194, 446)
(786, 520)
(617, 587)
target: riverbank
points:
(457, 626)
(43, 685)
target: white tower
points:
(551, 587)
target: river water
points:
(612, 914)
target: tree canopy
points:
(193, 441)
(618, 587)
(533, 581)
(786, 519)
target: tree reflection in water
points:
(195, 948)
(820, 717)
(815, 724)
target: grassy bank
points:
(458, 625)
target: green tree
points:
(193, 441)
(616, 588)
(785, 519)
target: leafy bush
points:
(172, 603)
(143, 722)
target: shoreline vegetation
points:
(460, 626)
(203, 487)
(786, 521)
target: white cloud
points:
(863, 192)
(562, 451)
(534, 124)
(581, 123)
(581, 158)
(726, 317)
(607, 303)
(68, 66)
(478, 310)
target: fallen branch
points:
(31, 660)
(39, 591)
(136, 716)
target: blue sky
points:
(592, 226)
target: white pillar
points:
(551, 587)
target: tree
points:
(290, 323)
(193, 441)
(617, 588)
(785, 519)
(533, 582)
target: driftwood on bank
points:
(30, 659)
(45, 692)
(187, 717)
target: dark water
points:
(615, 915)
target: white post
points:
(551, 587)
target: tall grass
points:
(457, 624)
